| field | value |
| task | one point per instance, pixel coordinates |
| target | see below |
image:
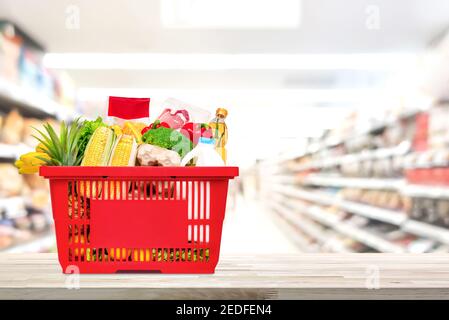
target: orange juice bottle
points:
(220, 132)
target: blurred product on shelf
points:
(433, 211)
(11, 182)
(9, 52)
(12, 128)
(391, 200)
(23, 203)
(19, 130)
(23, 75)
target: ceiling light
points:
(231, 14)
(155, 61)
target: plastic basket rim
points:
(137, 172)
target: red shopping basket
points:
(138, 219)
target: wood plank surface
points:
(302, 276)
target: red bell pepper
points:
(156, 124)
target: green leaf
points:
(49, 146)
(54, 139)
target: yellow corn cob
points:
(98, 152)
(117, 130)
(99, 147)
(134, 129)
(123, 154)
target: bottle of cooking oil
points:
(220, 132)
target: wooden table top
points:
(301, 276)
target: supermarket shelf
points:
(397, 218)
(37, 243)
(31, 103)
(353, 232)
(389, 216)
(426, 230)
(380, 153)
(310, 229)
(435, 192)
(13, 207)
(12, 152)
(364, 183)
(281, 178)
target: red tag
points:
(129, 108)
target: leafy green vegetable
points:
(169, 139)
(63, 148)
(87, 129)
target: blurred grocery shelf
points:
(30, 102)
(382, 183)
(40, 242)
(30, 95)
(363, 183)
(8, 151)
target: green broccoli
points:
(169, 139)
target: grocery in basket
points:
(134, 195)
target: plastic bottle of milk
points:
(204, 154)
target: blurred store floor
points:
(248, 228)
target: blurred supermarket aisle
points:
(248, 228)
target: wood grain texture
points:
(304, 276)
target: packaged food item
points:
(150, 155)
(196, 115)
(11, 182)
(39, 222)
(204, 154)
(29, 130)
(174, 118)
(13, 128)
(39, 198)
(220, 132)
(35, 181)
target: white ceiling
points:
(326, 26)
(135, 26)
